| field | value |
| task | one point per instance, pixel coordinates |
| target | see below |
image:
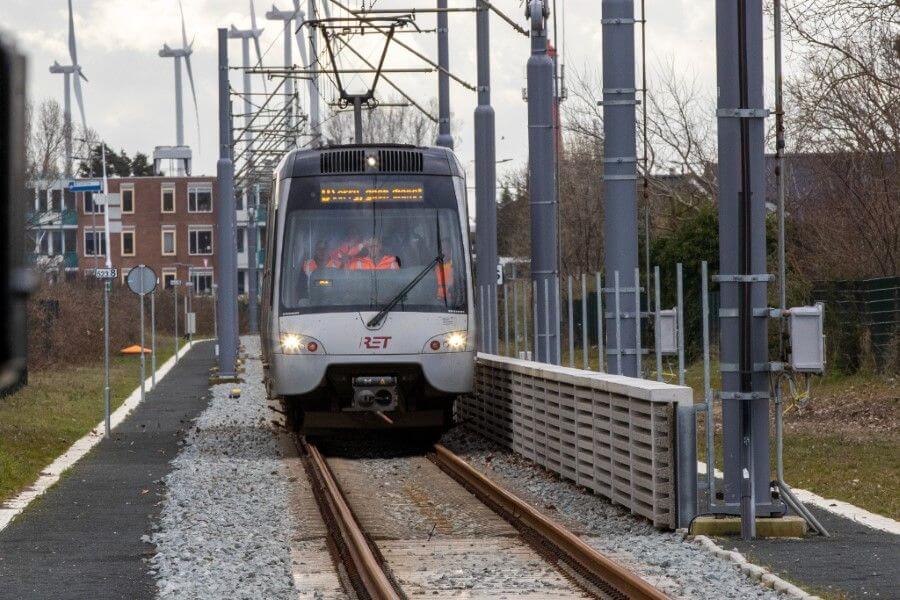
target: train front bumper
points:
(297, 374)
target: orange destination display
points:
(334, 193)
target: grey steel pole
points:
(546, 316)
(106, 398)
(656, 335)
(637, 321)
(534, 316)
(506, 320)
(525, 317)
(542, 171)
(601, 356)
(215, 295)
(620, 161)
(584, 325)
(175, 289)
(314, 118)
(742, 259)
(226, 264)
(143, 355)
(153, 339)
(444, 137)
(707, 389)
(680, 291)
(252, 265)
(516, 317)
(357, 120)
(618, 323)
(485, 180)
(571, 317)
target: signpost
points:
(175, 284)
(142, 281)
(86, 185)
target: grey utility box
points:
(668, 331)
(807, 327)
(190, 323)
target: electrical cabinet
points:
(807, 330)
(668, 331)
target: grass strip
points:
(58, 407)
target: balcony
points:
(70, 259)
(51, 218)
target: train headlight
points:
(293, 343)
(455, 341)
(290, 343)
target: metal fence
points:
(854, 307)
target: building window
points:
(239, 201)
(94, 243)
(169, 247)
(127, 193)
(202, 281)
(56, 197)
(168, 276)
(127, 238)
(89, 207)
(200, 241)
(241, 232)
(241, 289)
(167, 200)
(200, 199)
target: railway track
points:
(379, 566)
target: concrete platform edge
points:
(755, 572)
(51, 474)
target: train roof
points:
(371, 159)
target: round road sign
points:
(141, 280)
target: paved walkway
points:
(855, 562)
(82, 539)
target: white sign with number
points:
(106, 273)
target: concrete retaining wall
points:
(614, 435)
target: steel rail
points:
(576, 552)
(367, 565)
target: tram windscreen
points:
(352, 244)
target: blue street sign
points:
(85, 185)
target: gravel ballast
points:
(225, 525)
(679, 568)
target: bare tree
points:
(46, 140)
(844, 122)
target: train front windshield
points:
(354, 243)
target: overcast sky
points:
(129, 97)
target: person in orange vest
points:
(372, 257)
(311, 264)
(444, 273)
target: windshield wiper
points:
(374, 321)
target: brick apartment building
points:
(168, 224)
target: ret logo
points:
(375, 342)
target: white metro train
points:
(367, 297)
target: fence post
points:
(686, 477)
(584, 324)
(571, 317)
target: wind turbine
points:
(287, 17)
(182, 53)
(68, 71)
